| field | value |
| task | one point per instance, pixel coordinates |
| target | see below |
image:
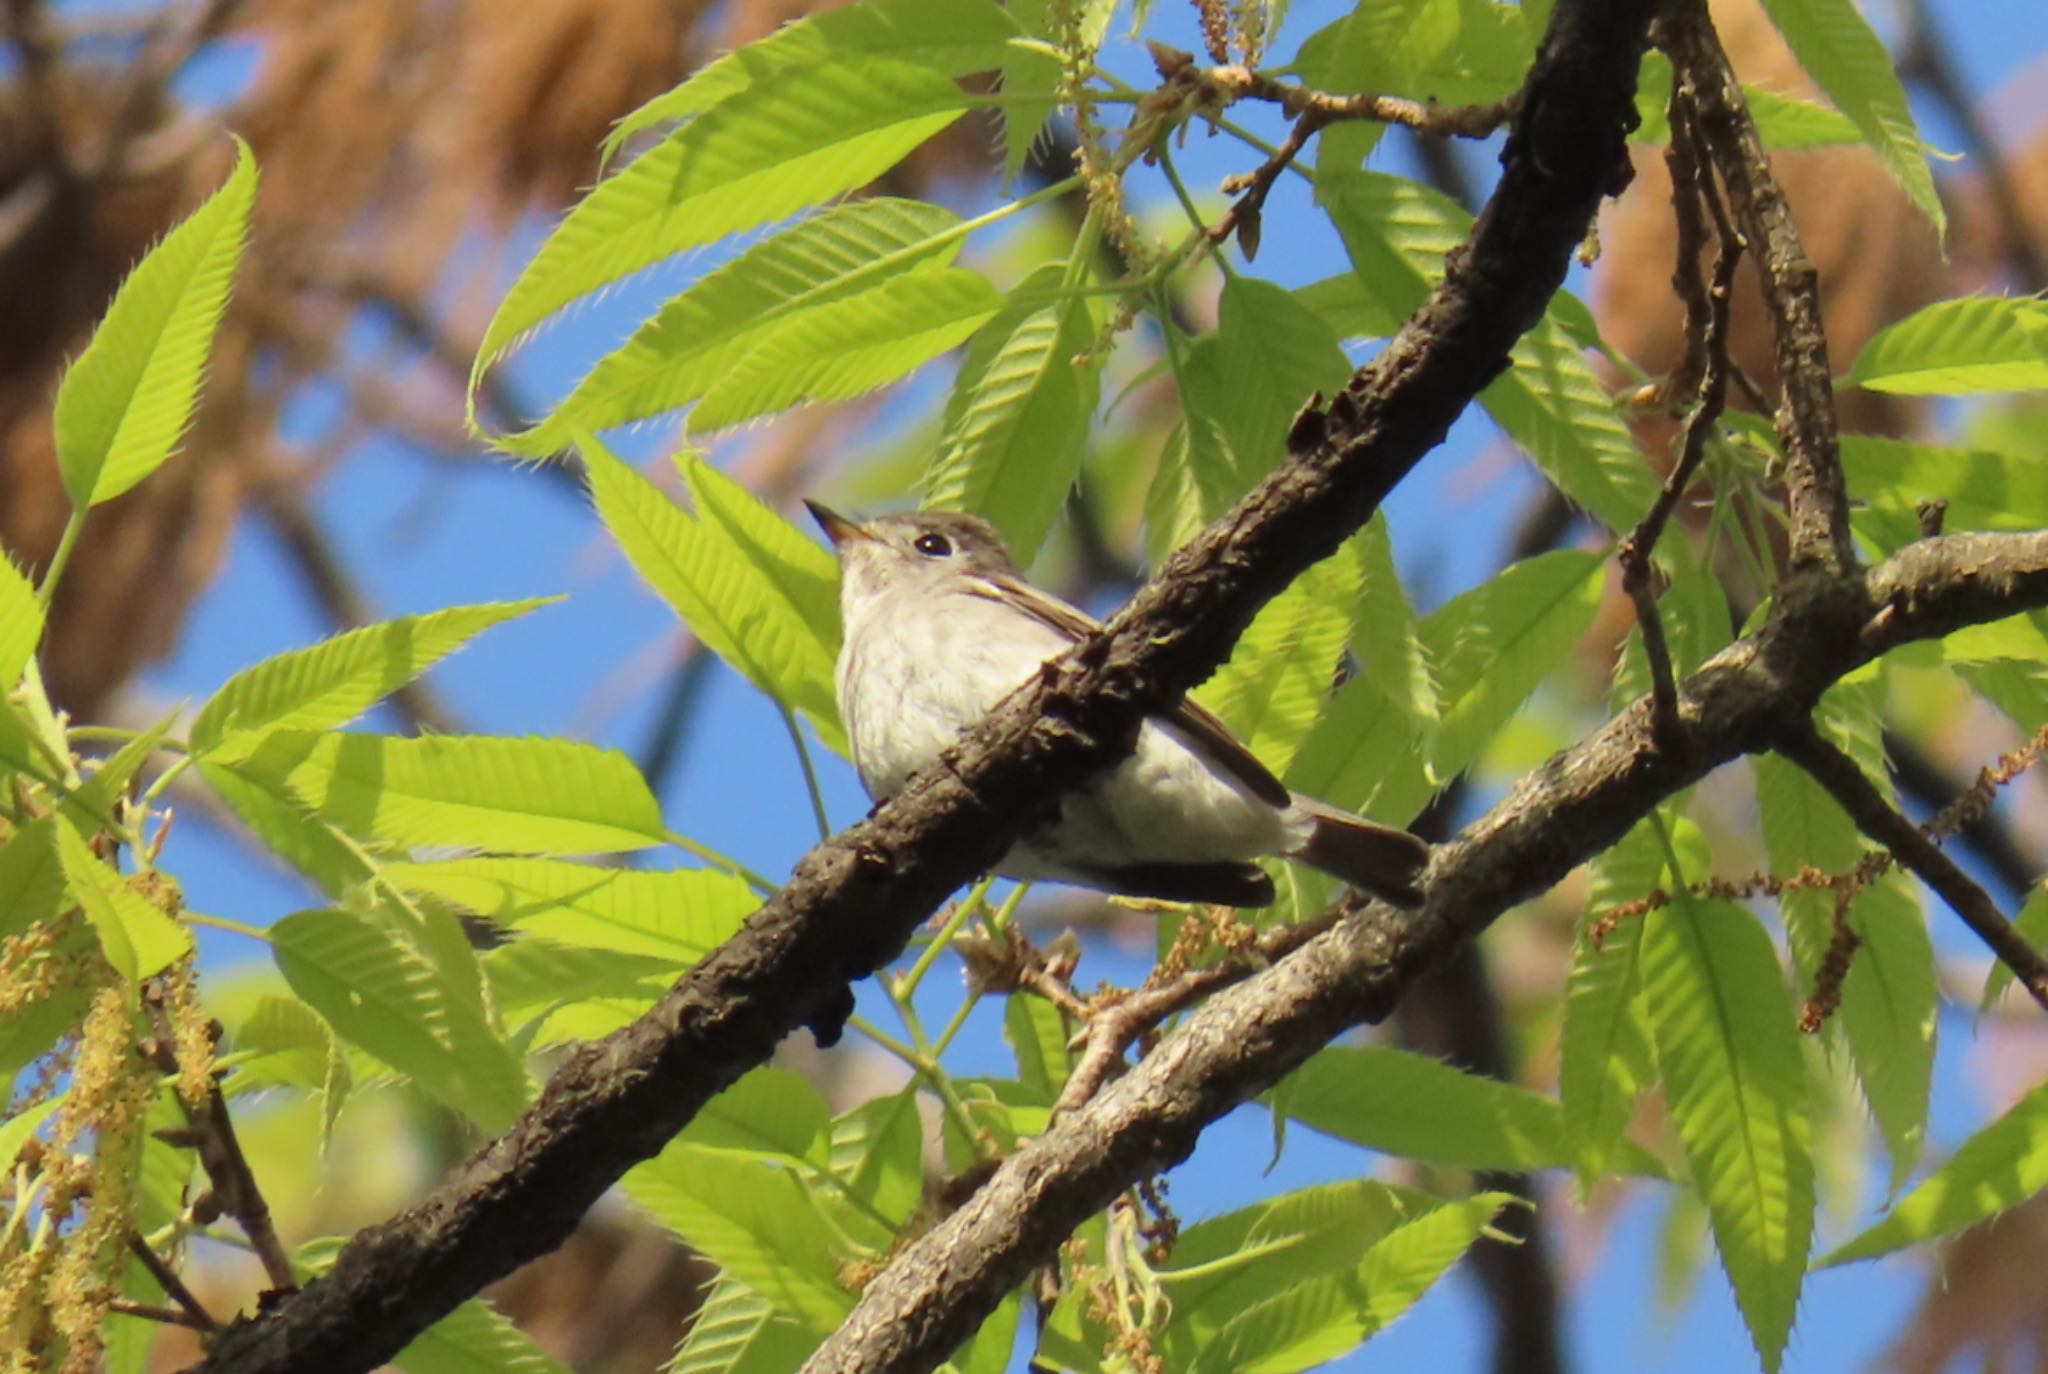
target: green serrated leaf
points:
(1985, 489)
(951, 37)
(878, 1152)
(336, 680)
(757, 1221)
(475, 1339)
(2031, 921)
(17, 1130)
(125, 404)
(531, 795)
(1398, 233)
(21, 622)
(1554, 407)
(1736, 1089)
(677, 356)
(1605, 1061)
(1279, 675)
(1388, 635)
(138, 938)
(1242, 384)
(769, 1111)
(2001, 1166)
(792, 139)
(1491, 647)
(718, 592)
(1317, 1319)
(736, 1331)
(677, 916)
(1848, 61)
(1891, 996)
(1959, 348)
(281, 1043)
(1225, 1264)
(31, 877)
(1038, 1034)
(846, 347)
(287, 828)
(531, 978)
(796, 584)
(1019, 414)
(1408, 1104)
(384, 998)
(1784, 123)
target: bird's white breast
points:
(920, 669)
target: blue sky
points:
(423, 534)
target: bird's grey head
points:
(916, 549)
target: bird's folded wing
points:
(1204, 728)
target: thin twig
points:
(1242, 220)
(1423, 116)
(1816, 492)
(169, 1316)
(1705, 371)
(172, 1285)
(1113, 1026)
(210, 1130)
(1878, 819)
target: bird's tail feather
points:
(1377, 858)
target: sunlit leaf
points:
(138, 938)
(1605, 1057)
(18, 1129)
(717, 591)
(1549, 401)
(1019, 414)
(21, 622)
(386, 999)
(878, 1149)
(951, 37)
(678, 354)
(530, 795)
(1408, 1104)
(1849, 62)
(125, 404)
(2001, 1166)
(848, 346)
(792, 139)
(475, 1339)
(756, 1220)
(1891, 996)
(1280, 673)
(677, 915)
(336, 680)
(736, 1331)
(1959, 348)
(31, 877)
(1735, 1086)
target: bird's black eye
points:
(933, 545)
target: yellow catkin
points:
(91, 1167)
(191, 1033)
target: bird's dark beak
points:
(840, 530)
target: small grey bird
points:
(940, 627)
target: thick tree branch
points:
(853, 902)
(1245, 1039)
(1817, 497)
